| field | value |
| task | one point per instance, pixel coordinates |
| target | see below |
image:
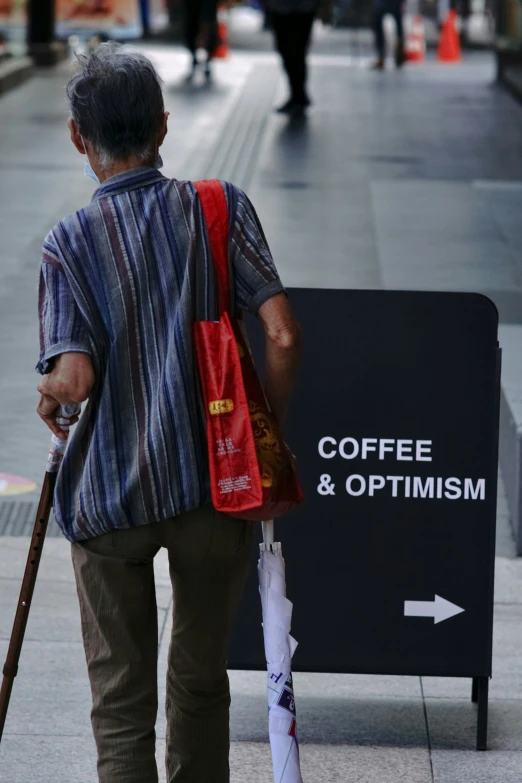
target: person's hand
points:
(71, 380)
(48, 409)
(70, 383)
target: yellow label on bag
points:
(220, 406)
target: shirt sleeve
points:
(62, 327)
(255, 277)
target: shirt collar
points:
(128, 180)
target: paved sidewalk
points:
(397, 180)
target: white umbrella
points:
(279, 649)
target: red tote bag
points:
(252, 472)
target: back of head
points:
(117, 102)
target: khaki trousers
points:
(208, 558)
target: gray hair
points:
(116, 100)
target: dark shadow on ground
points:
(393, 723)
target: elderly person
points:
(116, 312)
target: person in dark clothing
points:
(394, 9)
(201, 20)
(292, 22)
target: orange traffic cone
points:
(449, 44)
(223, 48)
(415, 47)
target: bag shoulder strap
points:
(215, 211)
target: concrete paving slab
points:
(453, 724)
(291, 197)
(48, 759)
(462, 766)
(450, 209)
(505, 543)
(507, 634)
(342, 686)
(55, 612)
(334, 764)
(250, 761)
(412, 263)
(40, 760)
(54, 615)
(51, 694)
(508, 581)
(395, 723)
(510, 338)
(55, 565)
(54, 759)
(434, 241)
(504, 205)
(506, 683)
(15, 72)
(449, 687)
(352, 262)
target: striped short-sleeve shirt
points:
(117, 282)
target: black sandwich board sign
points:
(390, 560)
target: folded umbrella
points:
(279, 649)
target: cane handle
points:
(58, 445)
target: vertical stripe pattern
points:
(123, 280)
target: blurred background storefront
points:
(482, 23)
(118, 18)
(127, 18)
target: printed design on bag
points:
(234, 484)
(226, 446)
(217, 407)
(293, 727)
(268, 448)
(287, 701)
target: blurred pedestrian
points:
(465, 10)
(393, 8)
(292, 22)
(201, 28)
(116, 317)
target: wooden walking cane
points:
(33, 561)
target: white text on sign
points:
(403, 450)
(396, 486)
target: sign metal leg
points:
(482, 722)
(474, 690)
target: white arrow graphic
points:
(439, 609)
